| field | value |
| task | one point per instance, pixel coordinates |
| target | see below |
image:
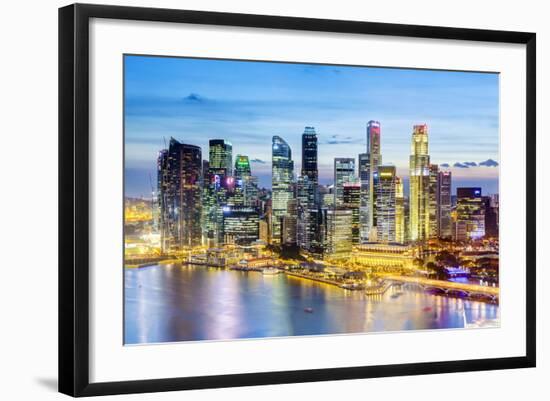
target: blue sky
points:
(194, 100)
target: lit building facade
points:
(309, 156)
(364, 208)
(400, 230)
(218, 186)
(352, 201)
(163, 184)
(306, 206)
(264, 231)
(242, 175)
(384, 256)
(374, 145)
(470, 214)
(339, 234)
(289, 222)
(419, 185)
(220, 157)
(445, 205)
(434, 201)
(368, 166)
(282, 170)
(180, 178)
(491, 217)
(344, 172)
(241, 225)
(385, 204)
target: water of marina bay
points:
(169, 303)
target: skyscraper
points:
(419, 185)
(368, 167)
(219, 191)
(221, 157)
(307, 192)
(364, 208)
(306, 228)
(242, 180)
(344, 172)
(242, 167)
(491, 217)
(434, 201)
(282, 170)
(352, 201)
(309, 155)
(163, 186)
(181, 195)
(385, 204)
(339, 234)
(445, 205)
(400, 230)
(374, 144)
(470, 214)
(241, 225)
(289, 223)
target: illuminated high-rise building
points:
(241, 225)
(352, 201)
(309, 155)
(218, 190)
(242, 167)
(307, 192)
(221, 157)
(245, 182)
(400, 230)
(374, 145)
(163, 185)
(419, 185)
(364, 208)
(282, 170)
(470, 214)
(306, 205)
(385, 204)
(181, 211)
(434, 201)
(339, 232)
(445, 205)
(491, 217)
(344, 172)
(289, 223)
(242, 176)
(368, 167)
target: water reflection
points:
(175, 303)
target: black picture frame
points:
(74, 198)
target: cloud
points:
(444, 165)
(460, 165)
(489, 163)
(336, 140)
(259, 161)
(193, 98)
(470, 164)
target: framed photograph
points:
(250, 199)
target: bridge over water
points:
(447, 287)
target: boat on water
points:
(396, 295)
(270, 271)
(351, 286)
(308, 310)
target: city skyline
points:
(239, 212)
(463, 122)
